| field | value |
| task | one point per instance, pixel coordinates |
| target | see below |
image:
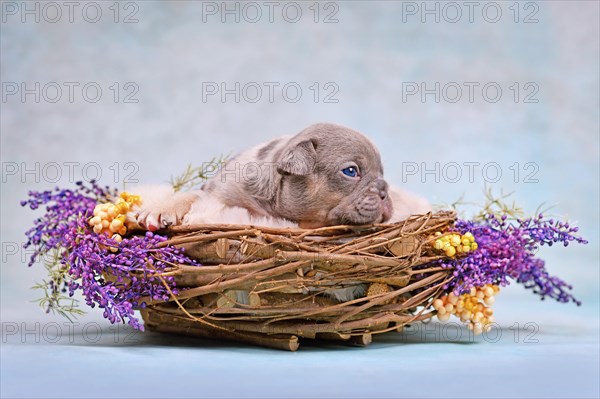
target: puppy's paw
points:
(157, 215)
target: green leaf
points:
(193, 177)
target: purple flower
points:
(114, 281)
(63, 210)
(507, 251)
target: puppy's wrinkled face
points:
(331, 175)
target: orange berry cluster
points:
(110, 218)
(473, 308)
(455, 243)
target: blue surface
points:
(370, 54)
(533, 355)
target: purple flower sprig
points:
(64, 208)
(116, 281)
(507, 250)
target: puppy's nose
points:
(381, 188)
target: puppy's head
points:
(331, 175)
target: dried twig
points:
(282, 273)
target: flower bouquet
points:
(269, 286)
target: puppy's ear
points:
(299, 160)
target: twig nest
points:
(405, 246)
(286, 275)
(377, 289)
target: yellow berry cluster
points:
(109, 218)
(473, 308)
(455, 243)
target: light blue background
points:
(369, 53)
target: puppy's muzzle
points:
(380, 187)
(375, 205)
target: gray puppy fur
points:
(300, 179)
(325, 175)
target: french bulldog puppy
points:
(325, 175)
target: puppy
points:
(325, 175)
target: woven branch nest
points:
(268, 286)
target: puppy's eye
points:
(350, 171)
